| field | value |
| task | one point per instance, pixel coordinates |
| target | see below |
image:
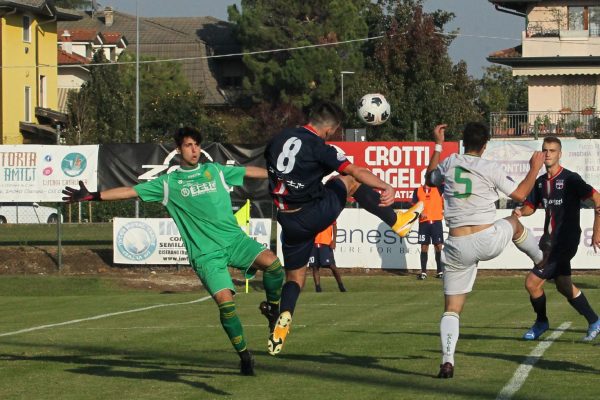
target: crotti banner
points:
(401, 164)
(363, 241)
(156, 241)
(40, 172)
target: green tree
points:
(103, 111)
(102, 104)
(500, 91)
(410, 65)
(283, 82)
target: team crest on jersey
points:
(207, 175)
(560, 184)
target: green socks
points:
(232, 325)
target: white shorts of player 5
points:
(462, 253)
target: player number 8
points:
(287, 158)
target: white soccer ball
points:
(374, 109)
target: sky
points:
(486, 30)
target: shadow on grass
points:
(126, 368)
(540, 363)
(348, 369)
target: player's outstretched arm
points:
(256, 172)
(535, 164)
(74, 195)
(439, 133)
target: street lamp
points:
(342, 73)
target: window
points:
(585, 18)
(27, 104)
(42, 98)
(26, 29)
(594, 21)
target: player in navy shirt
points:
(560, 192)
(297, 161)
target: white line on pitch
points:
(76, 321)
(522, 372)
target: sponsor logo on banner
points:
(73, 164)
(157, 240)
(136, 241)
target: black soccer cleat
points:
(247, 365)
(271, 312)
(446, 371)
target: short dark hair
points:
(552, 139)
(184, 132)
(326, 113)
(475, 136)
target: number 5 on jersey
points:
(462, 180)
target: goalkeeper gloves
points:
(73, 195)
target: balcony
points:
(533, 124)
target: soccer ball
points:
(374, 109)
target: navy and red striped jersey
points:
(561, 196)
(297, 160)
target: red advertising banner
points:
(401, 164)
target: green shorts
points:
(212, 270)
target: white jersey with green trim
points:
(471, 187)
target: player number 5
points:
(460, 179)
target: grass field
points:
(377, 341)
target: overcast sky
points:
(488, 30)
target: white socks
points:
(528, 245)
(449, 336)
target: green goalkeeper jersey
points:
(198, 201)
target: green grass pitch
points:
(379, 340)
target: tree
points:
(500, 91)
(411, 67)
(284, 82)
(103, 111)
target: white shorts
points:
(461, 255)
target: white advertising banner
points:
(156, 241)
(363, 241)
(40, 172)
(578, 155)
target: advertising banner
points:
(578, 155)
(36, 173)
(130, 164)
(156, 241)
(363, 241)
(401, 164)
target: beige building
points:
(559, 54)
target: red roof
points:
(79, 35)
(110, 37)
(65, 58)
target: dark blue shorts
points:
(321, 256)
(300, 228)
(559, 262)
(431, 232)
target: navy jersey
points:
(297, 160)
(561, 196)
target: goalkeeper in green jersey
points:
(197, 198)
